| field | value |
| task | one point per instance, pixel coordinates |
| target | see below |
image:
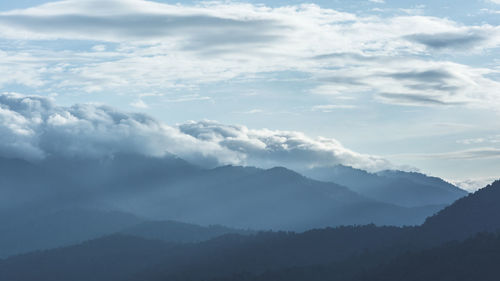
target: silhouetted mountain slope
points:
(474, 259)
(172, 231)
(101, 259)
(327, 254)
(478, 212)
(397, 187)
(348, 264)
(60, 228)
(71, 226)
(227, 255)
(111, 258)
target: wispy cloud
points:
(467, 154)
(156, 47)
(488, 139)
(139, 104)
(474, 184)
(414, 82)
(187, 98)
(332, 107)
(251, 111)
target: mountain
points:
(121, 257)
(473, 259)
(407, 189)
(63, 182)
(169, 188)
(110, 258)
(61, 228)
(276, 198)
(475, 213)
(72, 226)
(24, 184)
(178, 232)
(344, 253)
(458, 243)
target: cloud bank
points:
(33, 127)
(280, 148)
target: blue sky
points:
(413, 84)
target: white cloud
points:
(33, 127)
(187, 98)
(99, 48)
(488, 139)
(251, 111)
(332, 107)
(473, 184)
(139, 104)
(466, 154)
(281, 148)
(161, 46)
(414, 82)
(490, 11)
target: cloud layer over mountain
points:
(280, 148)
(33, 127)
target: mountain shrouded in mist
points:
(408, 189)
(171, 188)
(94, 157)
(343, 254)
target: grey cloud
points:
(468, 154)
(345, 80)
(436, 76)
(414, 99)
(201, 31)
(436, 80)
(448, 40)
(33, 127)
(428, 87)
(352, 56)
(434, 86)
(478, 153)
(432, 79)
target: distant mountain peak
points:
(409, 189)
(279, 170)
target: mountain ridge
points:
(232, 256)
(408, 189)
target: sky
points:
(372, 84)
